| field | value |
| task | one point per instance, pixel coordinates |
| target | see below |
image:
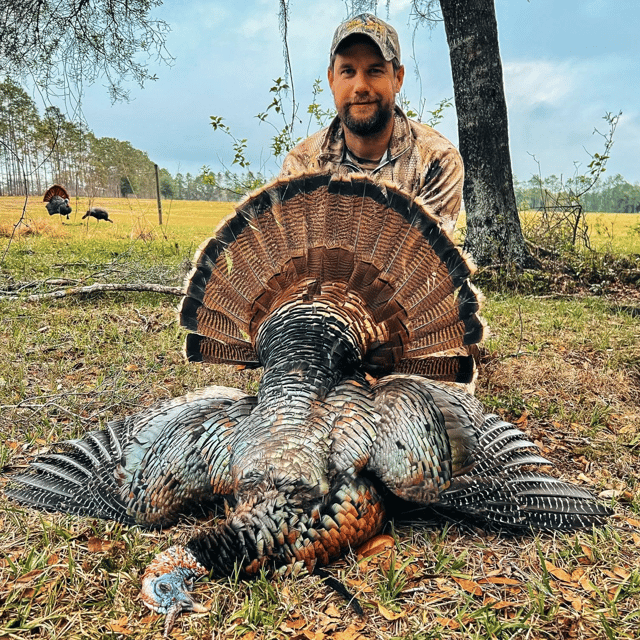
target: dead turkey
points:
(57, 200)
(359, 309)
(98, 213)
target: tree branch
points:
(97, 287)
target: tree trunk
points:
(494, 234)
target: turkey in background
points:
(98, 213)
(57, 200)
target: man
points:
(371, 133)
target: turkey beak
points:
(186, 603)
(199, 608)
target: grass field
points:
(186, 222)
(566, 369)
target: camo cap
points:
(383, 34)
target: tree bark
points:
(494, 234)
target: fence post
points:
(158, 196)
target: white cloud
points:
(535, 82)
(554, 107)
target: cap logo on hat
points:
(369, 26)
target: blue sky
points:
(565, 65)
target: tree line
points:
(612, 195)
(38, 150)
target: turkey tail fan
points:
(362, 246)
(55, 190)
(501, 489)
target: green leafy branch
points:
(437, 114)
(283, 140)
(562, 218)
(318, 115)
(239, 146)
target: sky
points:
(565, 64)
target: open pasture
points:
(47, 246)
(187, 222)
(566, 370)
(130, 215)
(615, 233)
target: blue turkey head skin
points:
(167, 581)
(168, 591)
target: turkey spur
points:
(359, 309)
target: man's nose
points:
(361, 84)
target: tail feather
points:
(55, 190)
(264, 219)
(201, 349)
(296, 238)
(467, 299)
(453, 368)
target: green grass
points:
(565, 368)
(51, 247)
(615, 233)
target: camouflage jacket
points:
(419, 160)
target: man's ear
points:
(330, 77)
(399, 79)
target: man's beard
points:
(366, 127)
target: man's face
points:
(364, 87)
